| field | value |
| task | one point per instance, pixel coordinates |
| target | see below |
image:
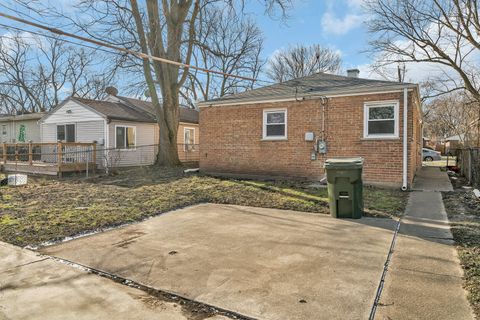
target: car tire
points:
(428, 158)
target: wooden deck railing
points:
(60, 154)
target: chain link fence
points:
(57, 159)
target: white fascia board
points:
(306, 97)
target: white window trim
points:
(115, 140)
(65, 125)
(369, 105)
(264, 129)
(185, 130)
(184, 142)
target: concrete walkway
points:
(424, 280)
(432, 179)
(35, 287)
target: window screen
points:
(381, 120)
(275, 124)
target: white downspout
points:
(106, 145)
(405, 140)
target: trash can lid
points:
(344, 163)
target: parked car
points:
(430, 155)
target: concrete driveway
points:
(37, 287)
(263, 263)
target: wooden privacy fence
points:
(48, 158)
(468, 160)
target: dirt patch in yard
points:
(463, 210)
(51, 210)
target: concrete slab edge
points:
(378, 294)
(208, 309)
(105, 229)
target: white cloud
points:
(415, 72)
(339, 26)
(343, 16)
(355, 4)
(418, 72)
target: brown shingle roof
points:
(26, 116)
(186, 114)
(318, 84)
(133, 110)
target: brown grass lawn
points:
(463, 210)
(50, 210)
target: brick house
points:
(290, 129)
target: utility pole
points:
(401, 72)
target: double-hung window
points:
(189, 138)
(66, 132)
(275, 124)
(124, 137)
(381, 120)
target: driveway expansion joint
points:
(380, 287)
(26, 264)
(161, 294)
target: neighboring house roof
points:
(186, 114)
(130, 109)
(319, 84)
(459, 137)
(117, 110)
(22, 117)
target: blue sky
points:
(336, 24)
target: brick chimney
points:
(353, 73)
(111, 91)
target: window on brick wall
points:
(189, 139)
(275, 124)
(381, 120)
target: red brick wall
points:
(232, 140)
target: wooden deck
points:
(47, 168)
(48, 158)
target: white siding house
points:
(125, 129)
(11, 125)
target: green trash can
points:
(345, 187)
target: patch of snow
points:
(476, 192)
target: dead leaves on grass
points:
(49, 210)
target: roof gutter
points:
(305, 97)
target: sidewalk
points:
(37, 287)
(424, 280)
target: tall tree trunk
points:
(167, 76)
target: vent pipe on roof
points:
(353, 73)
(111, 91)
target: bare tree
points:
(452, 114)
(229, 43)
(161, 28)
(36, 73)
(440, 32)
(169, 32)
(299, 61)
